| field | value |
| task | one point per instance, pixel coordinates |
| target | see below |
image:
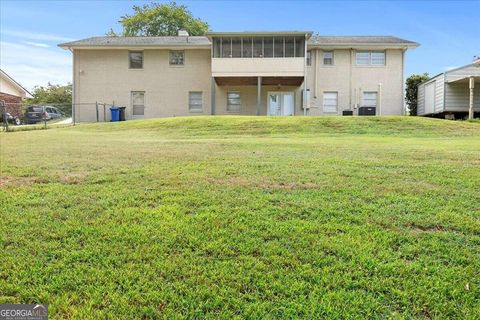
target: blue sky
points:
(448, 31)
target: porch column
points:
(213, 95)
(472, 85)
(259, 95)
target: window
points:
(247, 48)
(369, 99)
(195, 101)
(267, 47)
(236, 48)
(234, 101)
(376, 58)
(289, 47)
(177, 58)
(279, 47)
(328, 58)
(138, 103)
(136, 59)
(226, 47)
(257, 47)
(363, 58)
(330, 102)
(309, 58)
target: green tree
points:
(161, 20)
(54, 95)
(411, 91)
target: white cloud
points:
(35, 36)
(36, 65)
(37, 44)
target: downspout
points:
(305, 78)
(74, 83)
(350, 82)
(316, 73)
(403, 82)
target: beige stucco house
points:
(247, 73)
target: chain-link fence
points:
(16, 117)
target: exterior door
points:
(281, 103)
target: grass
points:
(244, 217)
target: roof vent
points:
(183, 33)
(476, 59)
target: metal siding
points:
(457, 97)
(467, 71)
(439, 91)
(421, 99)
(438, 98)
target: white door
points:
(281, 103)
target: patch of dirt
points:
(72, 178)
(6, 181)
(416, 229)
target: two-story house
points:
(248, 73)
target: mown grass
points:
(244, 217)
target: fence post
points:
(74, 116)
(96, 108)
(104, 113)
(44, 118)
(4, 114)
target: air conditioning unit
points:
(367, 111)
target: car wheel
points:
(18, 121)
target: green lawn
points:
(244, 217)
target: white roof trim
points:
(14, 83)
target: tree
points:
(54, 95)
(411, 91)
(161, 20)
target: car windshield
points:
(35, 109)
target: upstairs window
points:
(258, 47)
(328, 58)
(135, 59)
(309, 58)
(177, 58)
(234, 101)
(375, 58)
(195, 101)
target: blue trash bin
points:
(115, 114)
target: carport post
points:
(471, 86)
(213, 83)
(259, 94)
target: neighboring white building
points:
(249, 73)
(448, 94)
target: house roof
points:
(14, 83)
(360, 41)
(204, 42)
(114, 41)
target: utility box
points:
(367, 111)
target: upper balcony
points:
(249, 54)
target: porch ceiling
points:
(252, 81)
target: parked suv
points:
(40, 113)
